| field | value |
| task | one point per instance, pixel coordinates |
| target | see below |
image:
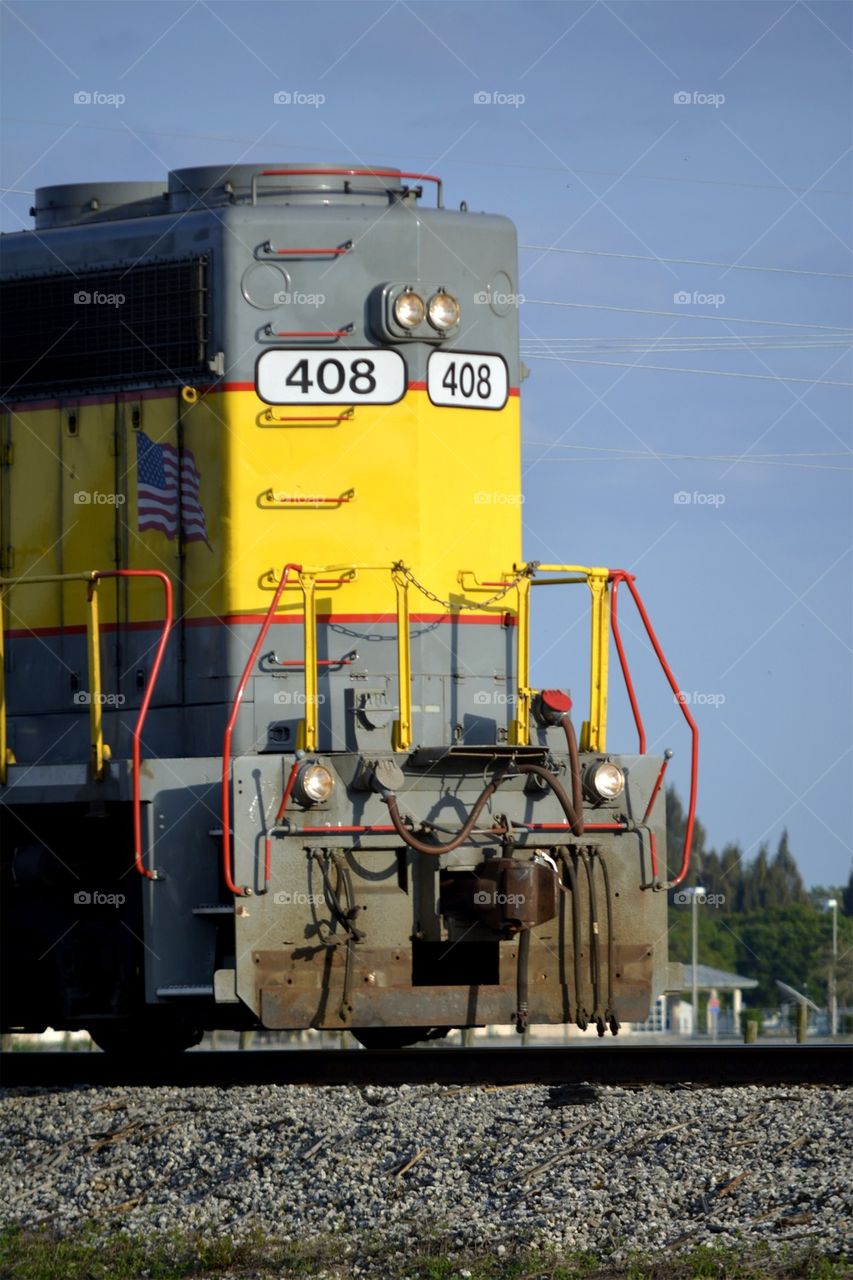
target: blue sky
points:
(586, 146)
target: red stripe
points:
(251, 619)
(155, 393)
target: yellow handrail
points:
(100, 752)
(519, 730)
(308, 728)
(593, 730)
(593, 735)
(402, 733)
(307, 731)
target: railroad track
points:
(601, 1064)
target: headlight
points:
(444, 311)
(605, 781)
(314, 784)
(409, 309)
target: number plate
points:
(465, 380)
(371, 376)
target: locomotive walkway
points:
(714, 1064)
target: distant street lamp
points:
(832, 905)
(695, 891)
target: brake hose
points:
(436, 850)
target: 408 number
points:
(468, 380)
(332, 376)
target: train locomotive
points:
(270, 756)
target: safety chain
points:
(527, 572)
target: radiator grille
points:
(102, 329)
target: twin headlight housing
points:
(441, 310)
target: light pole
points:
(832, 904)
(697, 889)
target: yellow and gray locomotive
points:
(269, 751)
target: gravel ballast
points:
(608, 1170)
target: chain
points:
(527, 572)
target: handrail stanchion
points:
(402, 732)
(307, 734)
(99, 752)
(519, 731)
(594, 730)
(4, 759)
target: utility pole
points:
(832, 904)
(697, 889)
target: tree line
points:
(759, 919)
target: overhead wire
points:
(711, 373)
(685, 315)
(687, 262)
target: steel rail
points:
(593, 1062)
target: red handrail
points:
(144, 705)
(309, 333)
(351, 173)
(336, 418)
(623, 662)
(229, 732)
(621, 575)
(297, 500)
(346, 661)
(309, 253)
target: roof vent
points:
(76, 202)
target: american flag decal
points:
(163, 501)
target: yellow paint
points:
(435, 488)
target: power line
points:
(714, 338)
(674, 457)
(687, 262)
(711, 373)
(686, 315)
(691, 457)
(581, 346)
